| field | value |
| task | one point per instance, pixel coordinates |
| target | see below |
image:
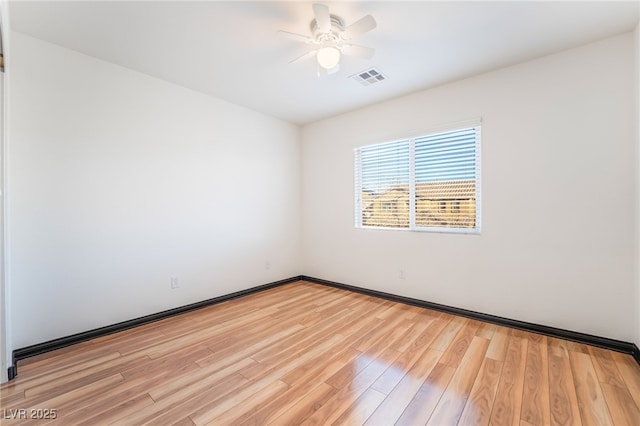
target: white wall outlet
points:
(174, 282)
(267, 265)
(402, 275)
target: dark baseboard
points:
(12, 372)
(636, 353)
(62, 342)
(602, 342)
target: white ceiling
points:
(230, 49)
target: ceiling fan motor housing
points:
(333, 36)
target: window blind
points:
(425, 183)
(383, 184)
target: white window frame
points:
(477, 124)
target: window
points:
(427, 183)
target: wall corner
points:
(636, 49)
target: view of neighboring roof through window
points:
(426, 183)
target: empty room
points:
(278, 213)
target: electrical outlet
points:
(267, 265)
(402, 274)
(174, 283)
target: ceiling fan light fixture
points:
(330, 38)
(328, 57)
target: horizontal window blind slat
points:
(461, 149)
(426, 143)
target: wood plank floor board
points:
(210, 334)
(486, 330)
(10, 399)
(621, 406)
(159, 365)
(302, 385)
(426, 338)
(201, 378)
(454, 398)
(508, 402)
(233, 340)
(211, 411)
(309, 352)
(49, 359)
(593, 409)
(456, 350)
(606, 368)
(304, 353)
(325, 367)
(395, 373)
(449, 333)
(558, 347)
(535, 398)
(233, 353)
(362, 408)
(184, 402)
(562, 392)
(139, 339)
(304, 338)
(237, 337)
(303, 408)
(68, 360)
(85, 376)
(376, 349)
(57, 375)
(630, 372)
(390, 410)
(498, 346)
(120, 411)
(421, 406)
(477, 410)
(344, 398)
(291, 399)
(381, 334)
(119, 394)
(67, 401)
(417, 328)
(63, 401)
(257, 400)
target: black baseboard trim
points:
(62, 342)
(12, 372)
(588, 339)
(602, 342)
(636, 353)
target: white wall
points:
(5, 351)
(637, 263)
(3, 335)
(558, 195)
(119, 181)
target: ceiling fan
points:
(330, 38)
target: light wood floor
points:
(305, 353)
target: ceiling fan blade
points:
(359, 51)
(361, 26)
(321, 13)
(304, 56)
(296, 37)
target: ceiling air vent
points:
(368, 77)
